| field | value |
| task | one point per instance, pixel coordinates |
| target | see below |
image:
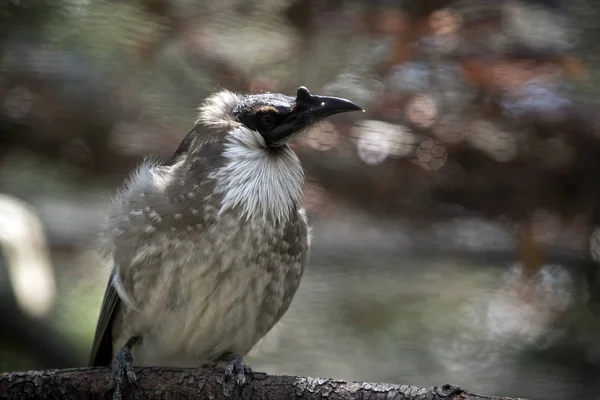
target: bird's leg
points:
(123, 367)
(236, 368)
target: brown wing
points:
(101, 354)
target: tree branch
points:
(172, 383)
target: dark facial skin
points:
(278, 117)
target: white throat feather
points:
(264, 183)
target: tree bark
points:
(172, 383)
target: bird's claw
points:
(122, 367)
(237, 370)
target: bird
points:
(208, 246)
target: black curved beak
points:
(322, 106)
(307, 110)
(319, 107)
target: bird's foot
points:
(122, 367)
(237, 369)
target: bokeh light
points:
(455, 222)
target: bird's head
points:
(276, 117)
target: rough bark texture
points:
(171, 383)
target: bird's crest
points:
(217, 110)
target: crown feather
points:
(217, 109)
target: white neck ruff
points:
(266, 184)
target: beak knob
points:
(303, 96)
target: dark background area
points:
(455, 222)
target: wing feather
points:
(200, 137)
(101, 354)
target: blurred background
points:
(456, 222)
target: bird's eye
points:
(267, 120)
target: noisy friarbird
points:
(208, 247)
